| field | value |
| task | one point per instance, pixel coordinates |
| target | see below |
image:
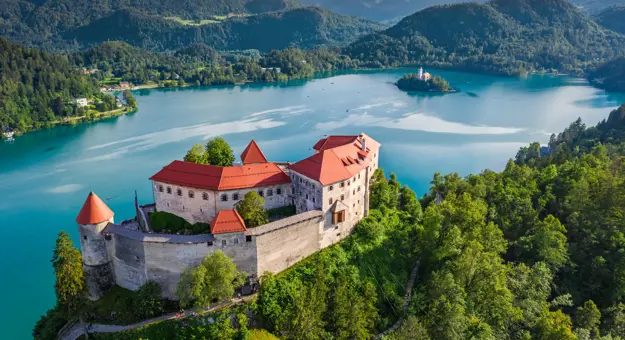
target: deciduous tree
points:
(252, 209)
(70, 277)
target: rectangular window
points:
(224, 197)
(223, 242)
(248, 238)
(209, 243)
(342, 216)
(306, 196)
(342, 184)
(331, 187)
(313, 200)
(330, 201)
(235, 196)
(338, 217)
(342, 197)
(279, 191)
(236, 241)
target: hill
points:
(37, 88)
(308, 27)
(169, 25)
(394, 10)
(613, 18)
(503, 37)
(610, 76)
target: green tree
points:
(252, 210)
(129, 98)
(70, 276)
(196, 154)
(547, 243)
(555, 326)
(589, 317)
(411, 329)
(148, 301)
(214, 279)
(218, 152)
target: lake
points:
(45, 176)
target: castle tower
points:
(420, 73)
(92, 219)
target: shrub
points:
(49, 325)
(148, 301)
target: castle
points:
(329, 189)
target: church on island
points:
(424, 76)
(329, 190)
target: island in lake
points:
(423, 82)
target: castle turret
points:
(92, 219)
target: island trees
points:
(216, 152)
(252, 210)
(412, 82)
(213, 280)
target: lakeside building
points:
(81, 102)
(329, 190)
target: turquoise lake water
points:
(45, 176)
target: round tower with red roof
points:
(92, 219)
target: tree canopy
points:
(252, 209)
(215, 278)
(70, 283)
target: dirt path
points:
(409, 284)
(81, 328)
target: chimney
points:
(363, 141)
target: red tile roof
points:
(227, 221)
(221, 178)
(336, 162)
(94, 211)
(333, 141)
(253, 154)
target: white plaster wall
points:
(197, 209)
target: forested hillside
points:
(303, 27)
(613, 18)
(503, 36)
(167, 25)
(37, 88)
(533, 252)
(199, 64)
(610, 76)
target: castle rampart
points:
(329, 189)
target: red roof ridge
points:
(227, 221)
(253, 154)
(94, 211)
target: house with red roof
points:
(336, 180)
(198, 192)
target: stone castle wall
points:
(137, 257)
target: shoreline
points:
(75, 120)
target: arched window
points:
(224, 197)
(169, 190)
(179, 192)
(235, 196)
(160, 188)
(269, 192)
(261, 193)
(191, 194)
(205, 196)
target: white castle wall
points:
(201, 208)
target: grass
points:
(281, 212)
(193, 22)
(161, 221)
(108, 81)
(213, 20)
